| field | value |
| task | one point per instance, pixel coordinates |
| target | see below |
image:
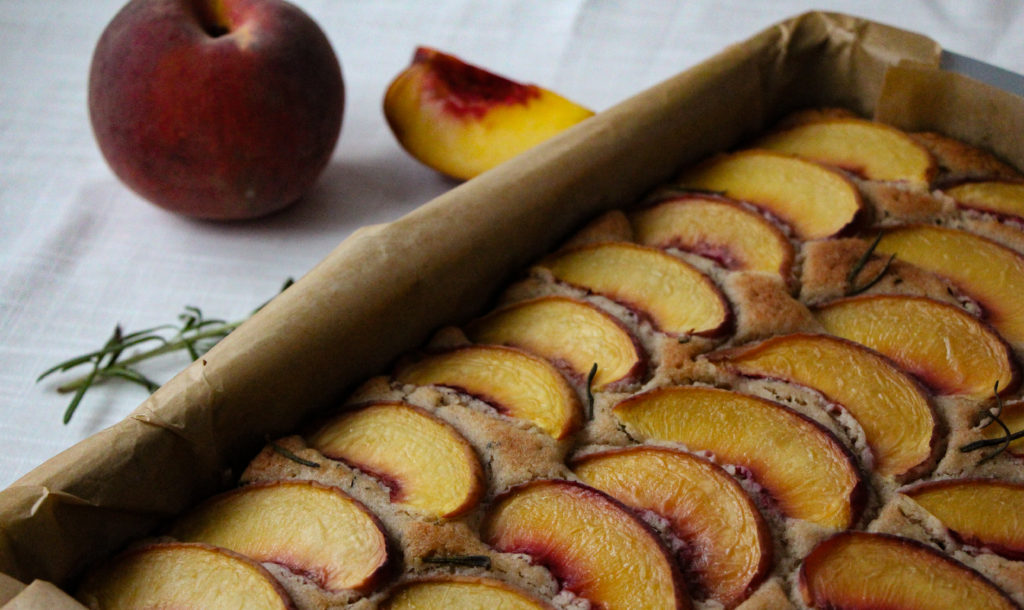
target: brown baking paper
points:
(387, 287)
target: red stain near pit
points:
(468, 91)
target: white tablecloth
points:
(80, 253)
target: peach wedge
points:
(460, 593)
(428, 466)
(814, 200)
(314, 530)
(896, 415)
(567, 332)
(514, 382)
(863, 571)
(182, 575)
(462, 120)
(727, 543)
(984, 513)
(596, 547)
(989, 273)
(873, 150)
(804, 468)
(717, 228)
(1000, 197)
(944, 346)
(677, 298)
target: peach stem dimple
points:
(212, 17)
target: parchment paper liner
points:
(383, 290)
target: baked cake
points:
(787, 379)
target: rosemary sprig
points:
(289, 454)
(468, 561)
(851, 277)
(1002, 442)
(590, 390)
(194, 334)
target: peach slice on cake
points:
(862, 571)
(182, 575)
(717, 228)
(726, 543)
(676, 297)
(1000, 197)
(428, 466)
(816, 201)
(873, 150)
(989, 273)
(460, 593)
(951, 351)
(986, 513)
(463, 120)
(314, 530)
(803, 466)
(514, 382)
(596, 547)
(568, 332)
(896, 415)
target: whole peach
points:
(220, 109)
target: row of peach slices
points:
(894, 350)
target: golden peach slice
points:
(984, 270)
(676, 297)
(1001, 197)
(462, 120)
(180, 575)
(805, 469)
(862, 571)
(727, 543)
(815, 200)
(314, 530)
(944, 346)
(567, 332)
(590, 542)
(873, 150)
(897, 417)
(460, 593)
(514, 382)
(429, 467)
(717, 228)
(985, 513)
(1013, 417)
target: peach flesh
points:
(1004, 198)
(728, 545)
(870, 149)
(980, 512)
(426, 463)
(514, 382)
(986, 271)
(182, 575)
(675, 296)
(944, 346)
(898, 419)
(1013, 417)
(460, 593)
(805, 469)
(567, 332)
(314, 530)
(716, 228)
(862, 571)
(462, 120)
(814, 200)
(590, 542)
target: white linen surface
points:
(79, 252)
